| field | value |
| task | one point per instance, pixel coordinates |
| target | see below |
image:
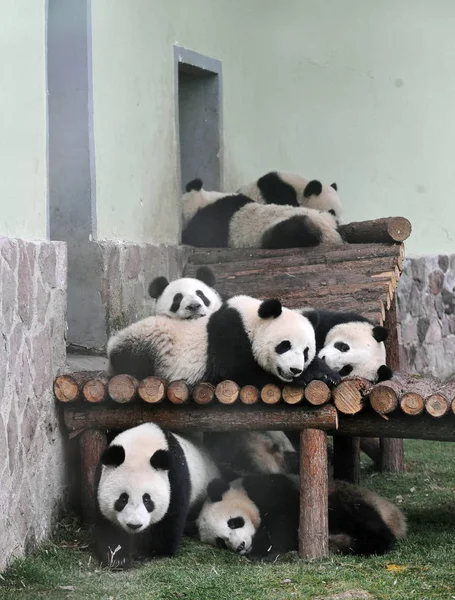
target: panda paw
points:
(319, 370)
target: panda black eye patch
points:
(236, 522)
(220, 543)
(345, 370)
(148, 502)
(203, 297)
(332, 212)
(342, 346)
(305, 354)
(283, 347)
(121, 502)
(176, 302)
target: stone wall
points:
(32, 351)
(426, 314)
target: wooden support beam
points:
(314, 521)
(92, 444)
(199, 418)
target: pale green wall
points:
(23, 121)
(358, 91)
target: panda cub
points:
(248, 340)
(258, 515)
(279, 187)
(350, 344)
(147, 482)
(187, 297)
(215, 220)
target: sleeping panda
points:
(187, 297)
(148, 480)
(215, 220)
(258, 516)
(253, 451)
(279, 187)
(248, 340)
(350, 344)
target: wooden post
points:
(392, 449)
(92, 444)
(346, 458)
(314, 512)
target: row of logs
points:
(412, 394)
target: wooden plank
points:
(198, 418)
(314, 520)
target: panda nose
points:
(295, 371)
(193, 307)
(134, 526)
(241, 547)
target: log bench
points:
(405, 407)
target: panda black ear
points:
(206, 275)
(270, 308)
(313, 188)
(194, 184)
(380, 333)
(216, 489)
(161, 460)
(312, 316)
(334, 185)
(384, 373)
(157, 287)
(113, 456)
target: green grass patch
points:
(421, 567)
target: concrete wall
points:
(32, 352)
(360, 92)
(23, 134)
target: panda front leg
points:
(113, 546)
(165, 537)
(318, 369)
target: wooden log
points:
(398, 425)
(227, 392)
(346, 458)
(92, 443)
(152, 390)
(293, 394)
(122, 388)
(386, 230)
(215, 257)
(204, 393)
(68, 387)
(178, 392)
(192, 418)
(249, 394)
(349, 395)
(392, 455)
(371, 448)
(95, 389)
(412, 404)
(317, 393)
(314, 521)
(437, 405)
(384, 397)
(270, 394)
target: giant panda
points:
(148, 481)
(279, 187)
(215, 220)
(253, 451)
(350, 344)
(258, 516)
(248, 340)
(187, 297)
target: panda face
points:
(284, 344)
(355, 349)
(134, 490)
(187, 298)
(230, 522)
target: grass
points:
(421, 567)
